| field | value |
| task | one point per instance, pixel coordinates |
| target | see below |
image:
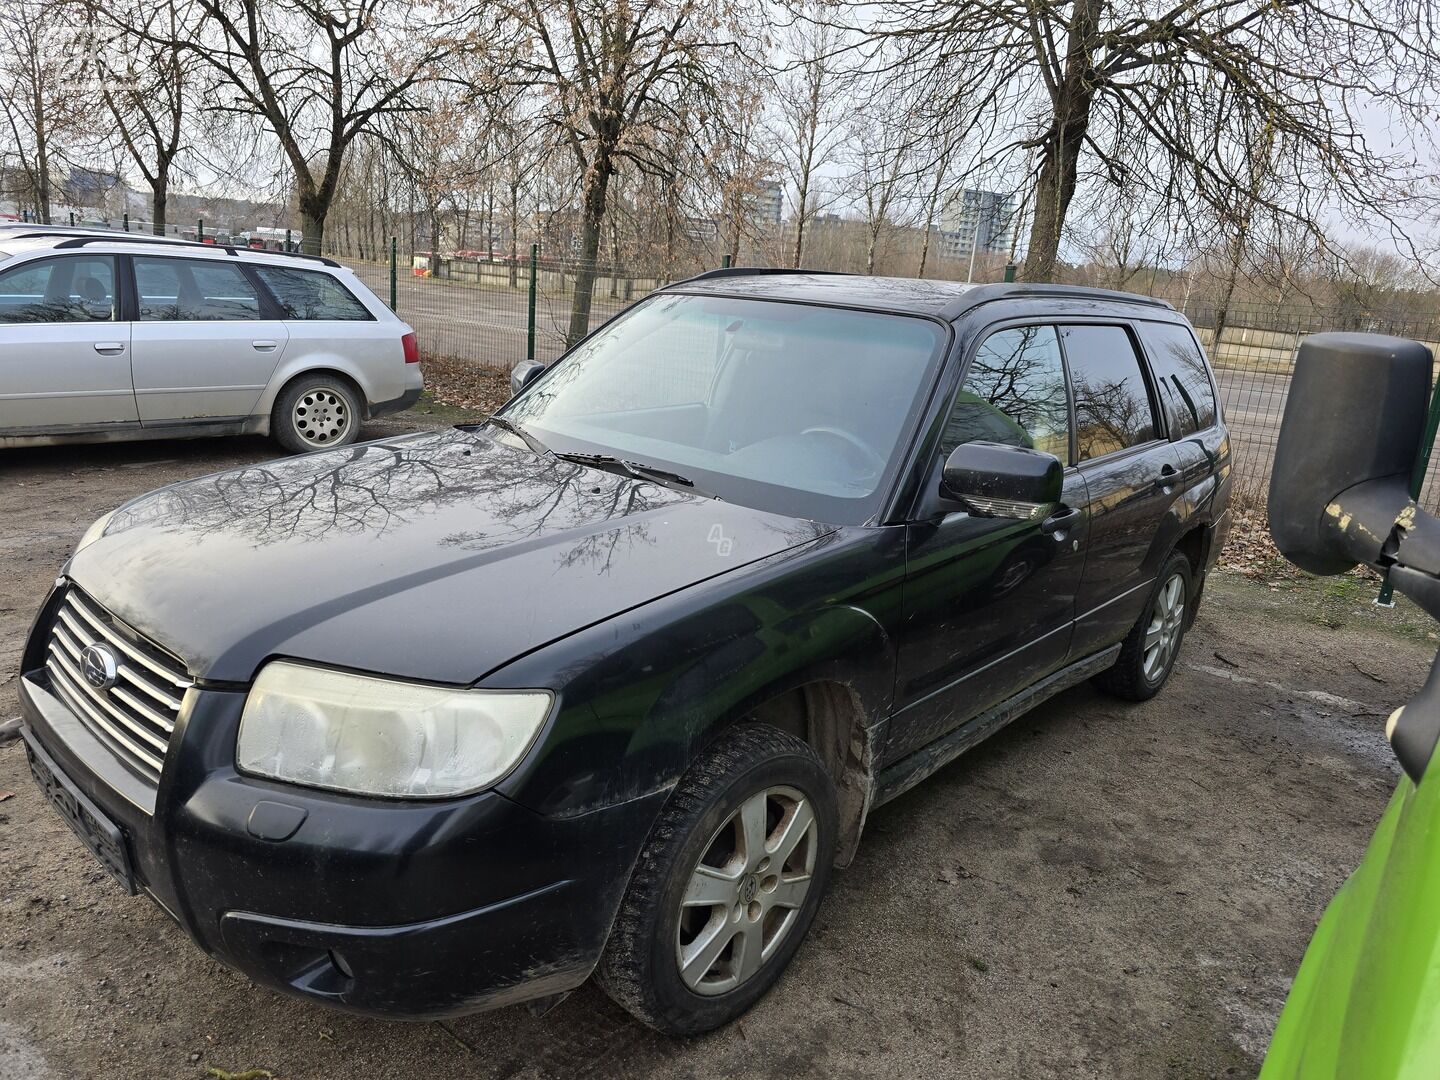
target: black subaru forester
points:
(609, 683)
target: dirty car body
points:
(884, 622)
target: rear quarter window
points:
(1181, 375)
(309, 295)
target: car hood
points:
(438, 556)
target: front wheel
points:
(316, 412)
(726, 886)
(1148, 653)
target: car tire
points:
(710, 889)
(316, 412)
(1148, 653)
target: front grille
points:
(136, 716)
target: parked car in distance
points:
(608, 683)
(108, 336)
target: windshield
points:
(793, 408)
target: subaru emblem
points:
(98, 665)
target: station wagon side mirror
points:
(523, 374)
(1003, 480)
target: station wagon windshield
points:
(793, 408)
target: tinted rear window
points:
(189, 290)
(1112, 403)
(1181, 377)
(310, 295)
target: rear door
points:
(204, 340)
(1132, 474)
(1187, 396)
(64, 354)
(988, 601)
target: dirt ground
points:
(1101, 890)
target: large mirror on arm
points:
(1004, 480)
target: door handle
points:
(263, 345)
(1168, 475)
(109, 347)
(1063, 519)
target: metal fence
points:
(484, 309)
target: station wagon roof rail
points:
(83, 238)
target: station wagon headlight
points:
(370, 736)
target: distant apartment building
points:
(976, 219)
(767, 204)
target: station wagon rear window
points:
(309, 295)
(192, 290)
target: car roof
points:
(18, 238)
(947, 300)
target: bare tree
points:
(1166, 94)
(143, 78)
(615, 74)
(882, 173)
(42, 67)
(318, 75)
(810, 112)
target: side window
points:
(1112, 403)
(1014, 392)
(63, 290)
(189, 290)
(1181, 377)
(309, 294)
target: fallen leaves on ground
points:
(464, 384)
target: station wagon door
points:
(204, 344)
(989, 601)
(64, 354)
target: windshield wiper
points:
(515, 429)
(637, 470)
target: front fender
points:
(643, 693)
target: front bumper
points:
(397, 908)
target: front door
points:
(988, 601)
(64, 354)
(1133, 475)
(203, 348)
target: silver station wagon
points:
(108, 335)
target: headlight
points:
(369, 736)
(94, 532)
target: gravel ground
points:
(1099, 891)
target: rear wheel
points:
(316, 412)
(1148, 653)
(726, 886)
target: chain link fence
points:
(483, 309)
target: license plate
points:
(96, 831)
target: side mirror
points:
(1003, 480)
(523, 374)
(1354, 419)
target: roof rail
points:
(985, 293)
(753, 271)
(82, 240)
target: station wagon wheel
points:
(1147, 655)
(726, 885)
(316, 412)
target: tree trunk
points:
(1060, 155)
(597, 183)
(312, 223)
(800, 226)
(159, 198)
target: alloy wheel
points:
(745, 893)
(1163, 633)
(321, 416)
